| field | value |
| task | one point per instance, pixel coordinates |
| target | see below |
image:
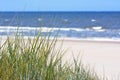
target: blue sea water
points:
(66, 24)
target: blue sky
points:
(60, 5)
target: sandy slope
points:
(103, 56)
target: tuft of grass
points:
(37, 59)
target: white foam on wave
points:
(40, 19)
(46, 29)
(2, 30)
(43, 29)
(68, 29)
(97, 27)
(11, 28)
(93, 20)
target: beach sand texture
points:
(102, 56)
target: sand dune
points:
(102, 56)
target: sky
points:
(59, 5)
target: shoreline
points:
(107, 40)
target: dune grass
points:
(37, 59)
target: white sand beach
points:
(102, 56)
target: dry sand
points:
(103, 56)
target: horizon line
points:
(59, 11)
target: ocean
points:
(79, 25)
